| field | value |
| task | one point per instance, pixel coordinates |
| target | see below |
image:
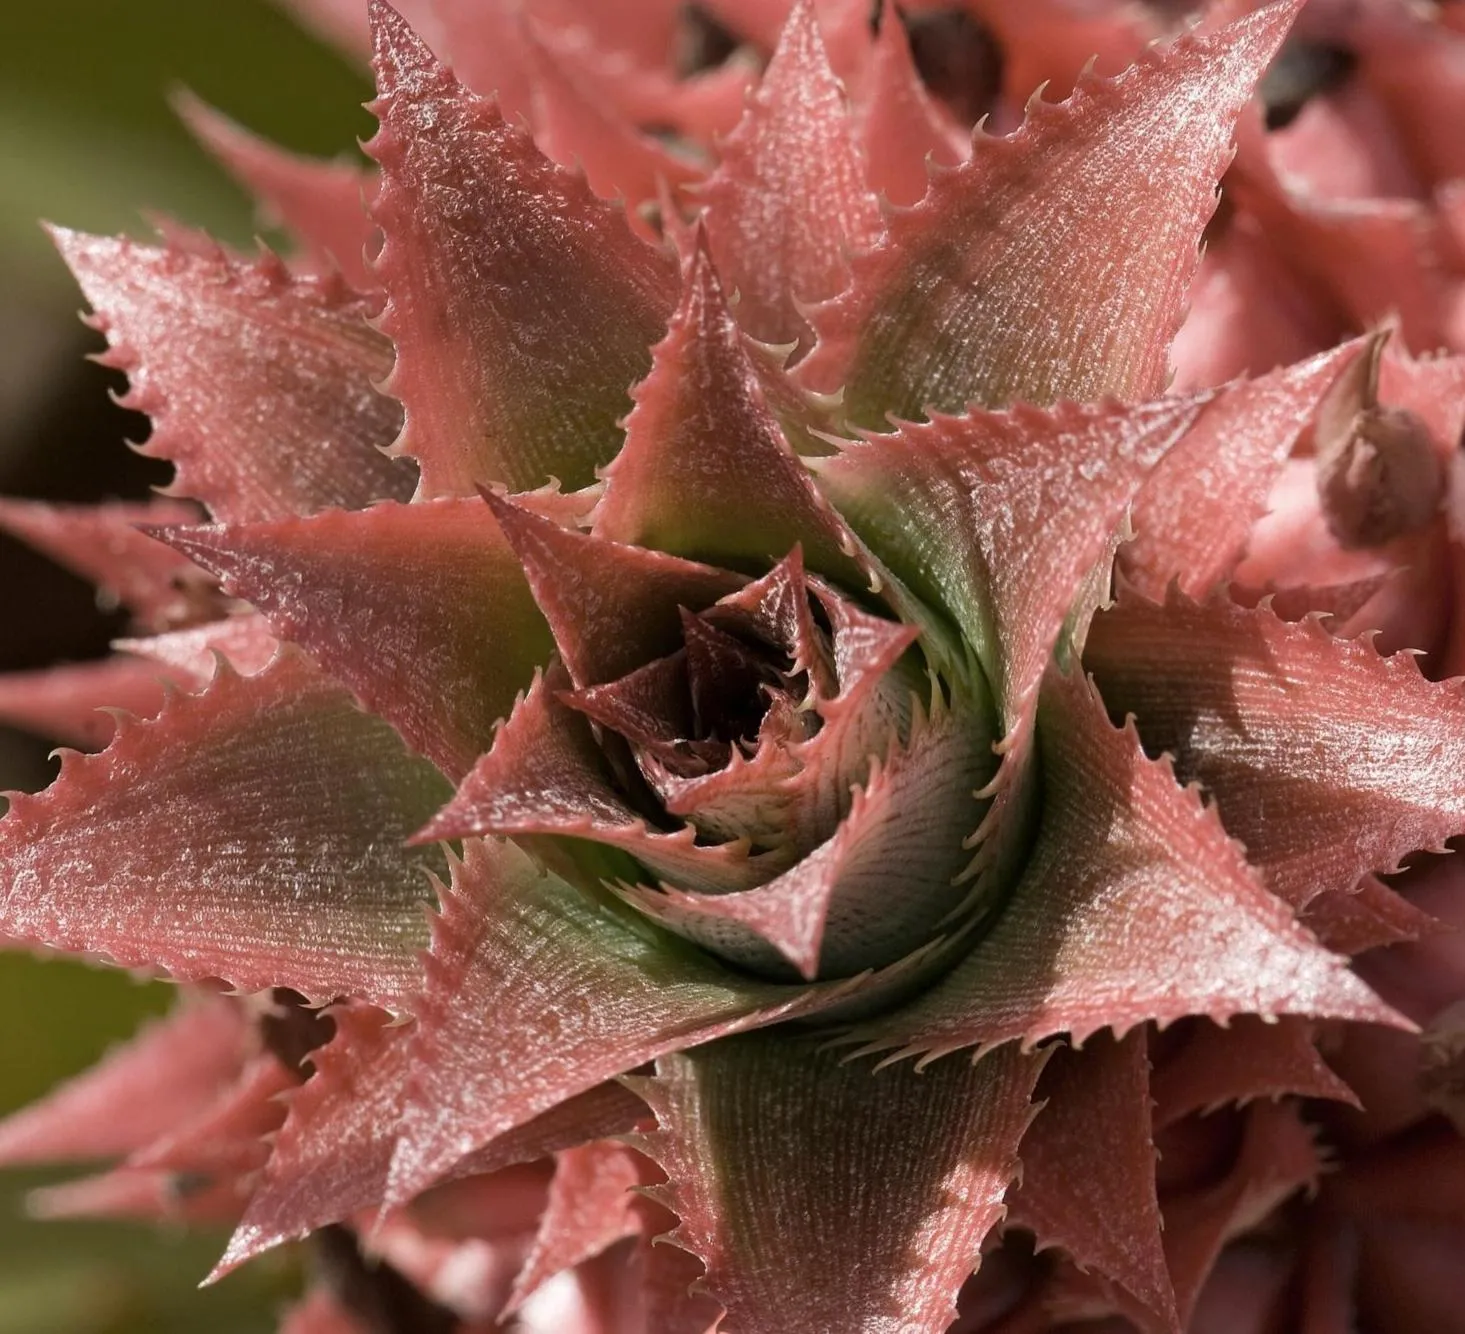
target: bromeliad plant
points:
(662, 820)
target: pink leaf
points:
(486, 42)
(574, 127)
(838, 910)
(245, 642)
(261, 386)
(1088, 1169)
(1194, 514)
(1277, 1158)
(185, 846)
(332, 1155)
(1368, 259)
(707, 104)
(789, 200)
(1243, 700)
(999, 518)
(1419, 76)
(166, 1072)
(1366, 917)
(823, 1196)
(535, 992)
(591, 1207)
(320, 1312)
(643, 30)
(72, 703)
(1246, 1060)
(422, 610)
(321, 204)
(522, 307)
(793, 792)
(610, 607)
(1051, 41)
(1053, 264)
(132, 1193)
(1133, 906)
(637, 1288)
(546, 775)
(706, 470)
(901, 125)
(225, 1140)
(105, 544)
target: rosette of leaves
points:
(678, 736)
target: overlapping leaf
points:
(706, 470)
(321, 203)
(105, 544)
(261, 386)
(1053, 264)
(160, 1077)
(998, 518)
(822, 1195)
(422, 610)
(522, 307)
(1088, 1169)
(536, 993)
(1326, 760)
(1133, 906)
(794, 146)
(254, 832)
(332, 1155)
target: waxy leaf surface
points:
(591, 1207)
(1053, 264)
(706, 470)
(331, 1157)
(1326, 760)
(1133, 906)
(825, 1195)
(1194, 515)
(1244, 1061)
(522, 307)
(1088, 1169)
(255, 833)
(422, 610)
(261, 386)
(611, 607)
(999, 518)
(71, 704)
(789, 200)
(546, 775)
(536, 993)
(841, 908)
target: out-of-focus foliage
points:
(88, 139)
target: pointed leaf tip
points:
(422, 610)
(261, 385)
(1242, 698)
(611, 607)
(522, 307)
(1134, 905)
(1054, 263)
(789, 201)
(707, 470)
(182, 848)
(535, 993)
(321, 203)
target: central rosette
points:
(764, 766)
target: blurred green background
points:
(87, 139)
